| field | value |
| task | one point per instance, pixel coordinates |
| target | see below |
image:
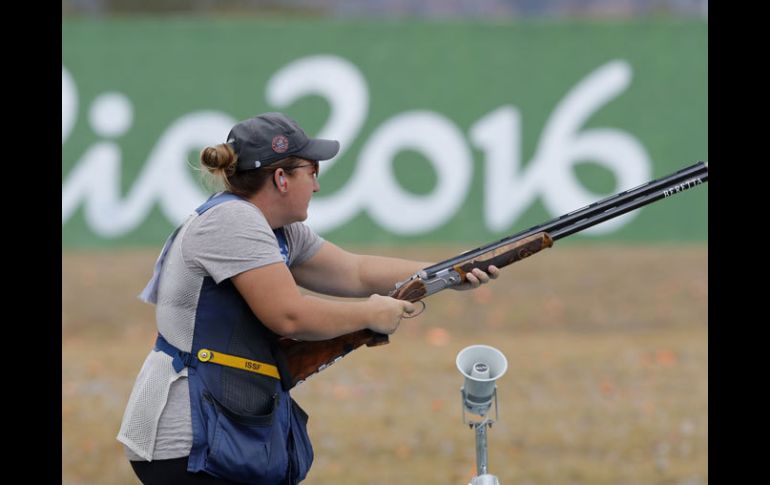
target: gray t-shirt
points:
(224, 241)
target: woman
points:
(211, 402)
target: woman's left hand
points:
(477, 277)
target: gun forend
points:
(419, 285)
(504, 255)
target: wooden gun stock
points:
(305, 358)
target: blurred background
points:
(461, 122)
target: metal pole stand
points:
(482, 477)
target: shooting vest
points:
(246, 426)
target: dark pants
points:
(172, 472)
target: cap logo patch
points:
(280, 144)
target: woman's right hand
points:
(387, 313)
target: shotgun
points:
(305, 358)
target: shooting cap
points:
(269, 137)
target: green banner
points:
(457, 131)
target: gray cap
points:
(269, 137)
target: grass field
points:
(607, 380)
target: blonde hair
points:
(221, 162)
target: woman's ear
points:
(279, 180)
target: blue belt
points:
(181, 359)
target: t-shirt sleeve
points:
(303, 243)
(229, 239)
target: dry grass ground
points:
(607, 380)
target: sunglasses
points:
(316, 167)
